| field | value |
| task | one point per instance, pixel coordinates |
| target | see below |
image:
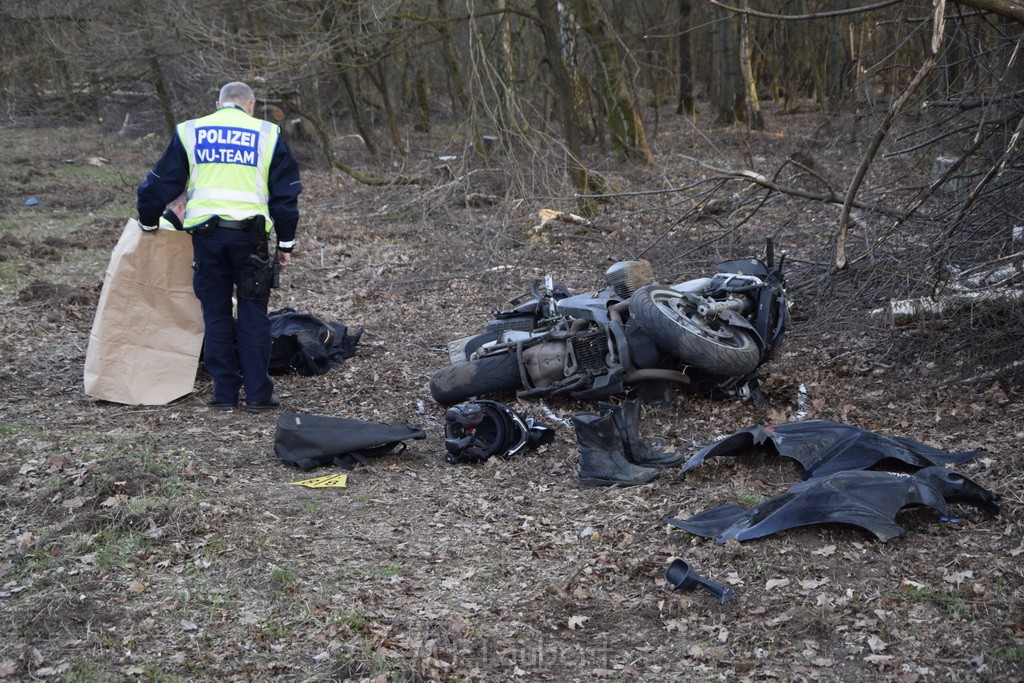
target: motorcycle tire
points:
(673, 324)
(487, 375)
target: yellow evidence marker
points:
(329, 481)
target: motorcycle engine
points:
(625, 277)
(545, 363)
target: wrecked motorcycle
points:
(709, 334)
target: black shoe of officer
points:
(263, 407)
(223, 407)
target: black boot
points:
(602, 453)
(627, 421)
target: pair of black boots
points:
(611, 450)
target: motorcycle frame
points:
(758, 288)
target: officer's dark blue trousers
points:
(217, 261)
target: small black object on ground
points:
(681, 576)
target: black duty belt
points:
(235, 225)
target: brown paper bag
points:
(148, 330)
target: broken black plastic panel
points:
(865, 499)
(824, 447)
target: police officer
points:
(237, 172)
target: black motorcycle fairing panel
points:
(956, 488)
(823, 447)
(865, 499)
(643, 352)
(747, 266)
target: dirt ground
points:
(168, 543)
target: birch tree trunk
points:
(565, 97)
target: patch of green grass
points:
(275, 629)
(81, 208)
(349, 621)
(82, 671)
(958, 607)
(953, 601)
(379, 664)
(36, 560)
(215, 544)
(20, 429)
(114, 547)
(87, 174)
(143, 457)
(1013, 653)
(392, 569)
(152, 672)
(282, 575)
(915, 594)
(51, 221)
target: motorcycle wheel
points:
(673, 324)
(487, 375)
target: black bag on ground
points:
(309, 441)
(304, 344)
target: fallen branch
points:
(998, 281)
(997, 277)
(906, 310)
(998, 372)
(802, 17)
(762, 180)
(548, 215)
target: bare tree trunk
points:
(754, 115)
(565, 96)
(817, 66)
(729, 95)
(329, 22)
(356, 110)
(686, 104)
(324, 138)
(512, 121)
(836, 71)
(421, 88)
(451, 60)
(628, 134)
(859, 78)
(379, 79)
(162, 93)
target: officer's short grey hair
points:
(236, 93)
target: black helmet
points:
(476, 430)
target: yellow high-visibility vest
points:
(229, 155)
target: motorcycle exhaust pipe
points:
(656, 374)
